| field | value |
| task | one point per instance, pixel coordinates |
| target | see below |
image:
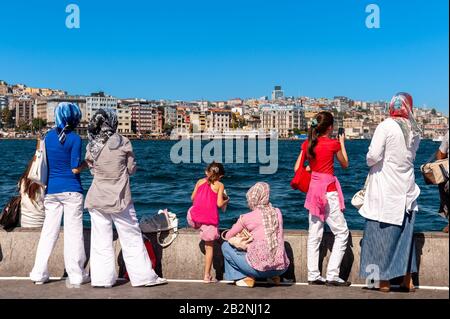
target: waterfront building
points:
(283, 119)
(124, 119)
(183, 123)
(146, 118)
(99, 100)
(277, 93)
(198, 121)
(218, 120)
(24, 110)
(40, 108)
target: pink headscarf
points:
(401, 105)
(401, 110)
(258, 199)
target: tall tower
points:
(277, 93)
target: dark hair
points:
(216, 171)
(28, 186)
(320, 124)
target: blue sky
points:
(180, 49)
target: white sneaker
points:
(157, 282)
(41, 282)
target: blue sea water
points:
(161, 184)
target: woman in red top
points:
(324, 199)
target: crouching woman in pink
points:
(265, 256)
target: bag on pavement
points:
(163, 221)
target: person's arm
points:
(131, 160)
(299, 158)
(440, 155)
(75, 156)
(443, 149)
(89, 160)
(195, 190)
(220, 201)
(236, 229)
(341, 155)
(297, 163)
(377, 146)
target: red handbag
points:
(302, 177)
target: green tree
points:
(167, 128)
(23, 127)
(433, 111)
(7, 118)
(38, 124)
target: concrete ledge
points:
(184, 258)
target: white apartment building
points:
(218, 120)
(283, 119)
(99, 101)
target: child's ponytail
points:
(215, 172)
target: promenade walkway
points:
(13, 288)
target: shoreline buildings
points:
(235, 118)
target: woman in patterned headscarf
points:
(110, 158)
(265, 256)
(67, 118)
(390, 206)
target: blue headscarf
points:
(67, 118)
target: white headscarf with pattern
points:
(258, 199)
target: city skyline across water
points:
(214, 51)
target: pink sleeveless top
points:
(204, 209)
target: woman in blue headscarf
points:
(64, 194)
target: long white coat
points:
(391, 190)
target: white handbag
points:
(358, 198)
(39, 168)
(163, 221)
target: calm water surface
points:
(161, 184)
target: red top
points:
(325, 150)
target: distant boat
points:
(438, 139)
(301, 137)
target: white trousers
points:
(71, 205)
(336, 221)
(103, 262)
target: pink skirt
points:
(207, 232)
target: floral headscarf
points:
(101, 128)
(258, 199)
(401, 110)
(67, 118)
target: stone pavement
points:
(17, 289)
